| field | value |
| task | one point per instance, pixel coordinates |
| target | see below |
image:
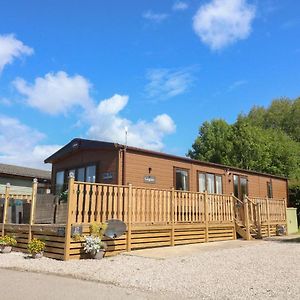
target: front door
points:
(240, 186)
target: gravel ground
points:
(255, 269)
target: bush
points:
(7, 241)
(93, 244)
(36, 246)
(98, 229)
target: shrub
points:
(7, 241)
(36, 246)
(98, 229)
(93, 244)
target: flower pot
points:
(98, 255)
(5, 249)
(37, 255)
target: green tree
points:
(282, 114)
(214, 143)
(265, 140)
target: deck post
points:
(285, 213)
(259, 219)
(234, 215)
(129, 218)
(206, 216)
(69, 217)
(172, 217)
(32, 208)
(6, 200)
(247, 221)
(268, 216)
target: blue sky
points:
(161, 68)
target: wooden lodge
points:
(165, 200)
(110, 163)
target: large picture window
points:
(84, 174)
(211, 183)
(181, 179)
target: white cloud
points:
(180, 5)
(236, 85)
(113, 105)
(154, 17)
(59, 93)
(107, 124)
(11, 48)
(166, 83)
(220, 23)
(55, 93)
(21, 145)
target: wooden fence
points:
(154, 218)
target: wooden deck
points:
(154, 218)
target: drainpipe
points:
(124, 166)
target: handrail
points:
(264, 198)
(250, 200)
(149, 188)
(237, 199)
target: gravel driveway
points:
(221, 270)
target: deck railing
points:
(95, 202)
(179, 215)
(267, 209)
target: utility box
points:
(291, 219)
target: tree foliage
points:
(265, 140)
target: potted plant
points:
(94, 246)
(36, 248)
(63, 196)
(6, 243)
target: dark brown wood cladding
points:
(105, 161)
(138, 165)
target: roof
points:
(24, 172)
(84, 144)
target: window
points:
(80, 174)
(219, 189)
(210, 182)
(87, 174)
(270, 189)
(202, 182)
(60, 180)
(90, 174)
(181, 179)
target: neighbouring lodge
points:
(20, 181)
(111, 163)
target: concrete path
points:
(17, 285)
(191, 249)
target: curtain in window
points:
(219, 185)
(210, 178)
(201, 180)
(182, 180)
